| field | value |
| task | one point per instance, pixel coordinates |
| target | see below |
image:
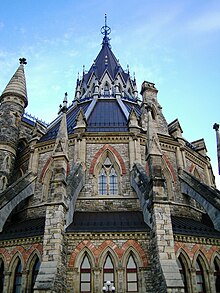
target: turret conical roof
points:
(17, 84)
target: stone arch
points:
(32, 257)
(108, 250)
(199, 253)
(31, 261)
(5, 255)
(215, 256)
(199, 256)
(135, 245)
(12, 267)
(184, 260)
(116, 155)
(184, 254)
(80, 256)
(81, 246)
(116, 165)
(131, 250)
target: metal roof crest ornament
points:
(106, 30)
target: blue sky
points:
(173, 43)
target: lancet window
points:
(85, 276)
(108, 270)
(200, 279)
(35, 271)
(108, 179)
(17, 278)
(131, 272)
(182, 270)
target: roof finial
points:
(22, 60)
(106, 30)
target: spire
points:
(61, 144)
(106, 30)
(17, 84)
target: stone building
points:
(109, 191)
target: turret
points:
(150, 103)
(12, 104)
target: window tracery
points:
(108, 179)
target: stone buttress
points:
(51, 277)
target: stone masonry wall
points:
(92, 149)
(97, 246)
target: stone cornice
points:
(105, 236)
(196, 239)
(21, 241)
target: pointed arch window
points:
(108, 179)
(131, 274)
(17, 278)
(85, 275)
(2, 275)
(108, 270)
(200, 279)
(106, 89)
(217, 275)
(35, 271)
(102, 182)
(182, 270)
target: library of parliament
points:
(109, 197)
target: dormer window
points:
(106, 89)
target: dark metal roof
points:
(70, 119)
(105, 60)
(107, 116)
(130, 106)
(186, 226)
(28, 121)
(107, 222)
(28, 228)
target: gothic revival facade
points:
(109, 194)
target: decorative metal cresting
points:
(106, 30)
(109, 288)
(23, 61)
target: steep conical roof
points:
(17, 84)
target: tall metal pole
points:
(216, 127)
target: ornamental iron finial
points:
(23, 61)
(106, 30)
